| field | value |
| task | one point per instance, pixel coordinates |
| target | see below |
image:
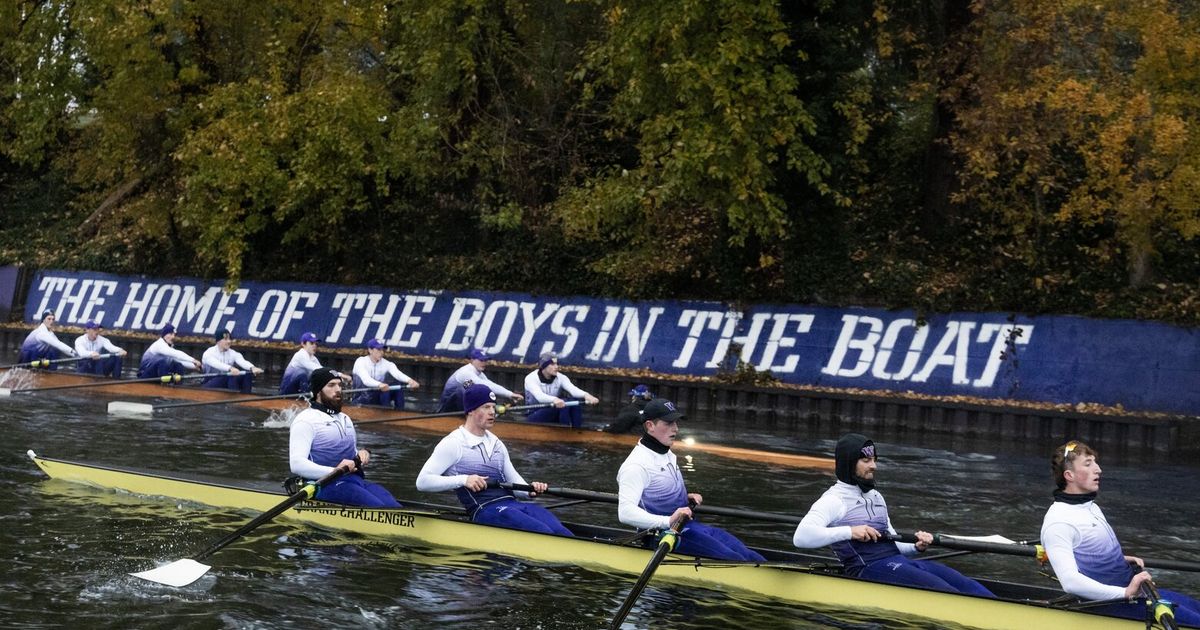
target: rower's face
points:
(662, 431)
(865, 468)
(309, 346)
(550, 370)
(375, 353)
(49, 321)
(224, 344)
(331, 395)
(1083, 476)
(479, 364)
(92, 333)
(483, 416)
(169, 338)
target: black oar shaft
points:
(1160, 611)
(446, 414)
(665, 545)
(307, 492)
(606, 497)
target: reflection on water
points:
(68, 548)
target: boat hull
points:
(788, 579)
(508, 427)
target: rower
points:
(300, 368)
(91, 344)
(229, 368)
(470, 457)
(629, 418)
(467, 375)
(544, 386)
(852, 518)
(375, 371)
(42, 343)
(652, 495)
(1083, 549)
(161, 358)
(323, 438)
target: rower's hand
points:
(475, 483)
(383, 387)
(1135, 560)
(1135, 585)
(864, 533)
(518, 398)
(364, 456)
(681, 515)
(695, 499)
(591, 400)
(924, 539)
(121, 353)
(95, 355)
(558, 403)
(256, 370)
(347, 465)
(538, 488)
(234, 371)
(413, 384)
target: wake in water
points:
(281, 418)
(16, 378)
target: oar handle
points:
(1162, 611)
(505, 408)
(307, 492)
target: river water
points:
(66, 548)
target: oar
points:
(665, 545)
(41, 363)
(124, 407)
(447, 414)
(606, 497)
(184, 572)
(168, 378)
(1031, 549)
(1161, 610)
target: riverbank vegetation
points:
(940, 155)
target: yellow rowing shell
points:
(786, 576)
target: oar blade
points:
(130, 408)
(177, 574)
(5, 392)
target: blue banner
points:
(1057, 359)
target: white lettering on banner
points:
(371, 316)
(700, 321)
(135, 306)
(803, 323)
(49, 286)
(629, 333)
(153, 317)
(531, 324)
(1018, 335)
(67, 308)
(344, 302)
(397, 340)
(511, 310)
(731, 320)
(559, 327)
(286, 310)
(451, 340)
(911, 358)
(953, 350)
(107, 287)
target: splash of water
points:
(281, 418)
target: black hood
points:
(849, 450)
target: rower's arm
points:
(47, 337)
(299, 447)
(445, 455)
(1059, 541)
(632, 482)
(814, 530)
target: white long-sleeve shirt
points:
(222, 360)
(1078, 538)
(161, 347)
(458, 445)
(371, 374)
(317, 435)
(84, 347)
(844, 505)
(536, 390)
(649, 480)
(302, 360)
(44, 335)
(469, 374)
